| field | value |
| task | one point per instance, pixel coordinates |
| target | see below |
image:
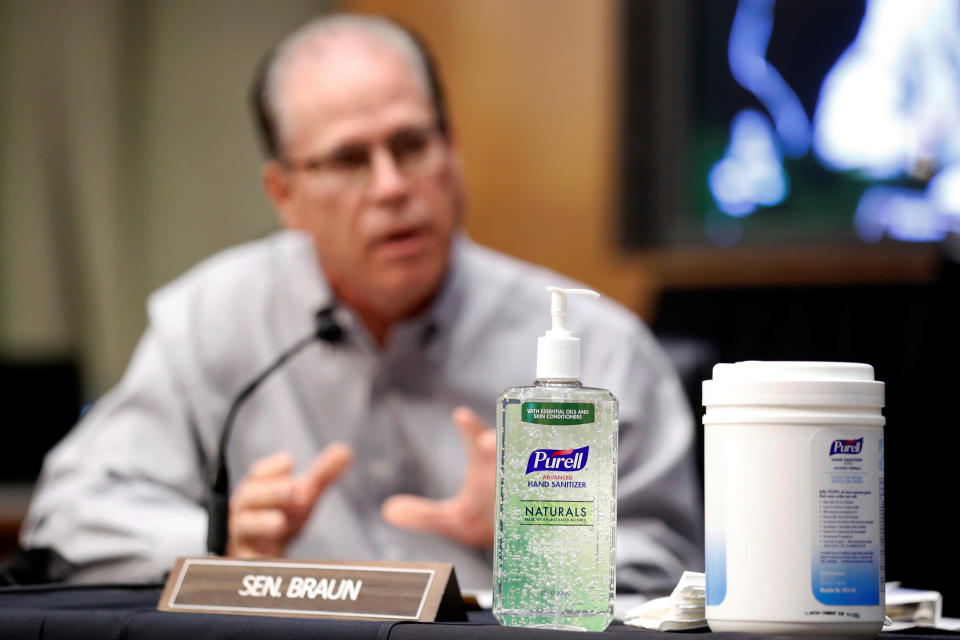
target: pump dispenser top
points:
(558, 350)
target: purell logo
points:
(557, 459)
(846, 447)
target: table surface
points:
(129, 611)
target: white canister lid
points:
(835, 384)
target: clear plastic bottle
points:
(555, 546)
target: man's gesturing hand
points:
(270, 505)
(468, 516)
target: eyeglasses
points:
(416, 152)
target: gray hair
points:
(383, 30)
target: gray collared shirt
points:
(122, 496)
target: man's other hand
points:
(468, 516)
(270, 505)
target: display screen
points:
(779, 121)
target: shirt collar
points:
(430, 330)
(427, 332)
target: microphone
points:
(218, 504)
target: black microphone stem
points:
(218, 503)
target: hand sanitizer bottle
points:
(556, 510)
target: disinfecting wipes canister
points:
(793, 457)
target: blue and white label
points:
(847, 554)
(558, 459)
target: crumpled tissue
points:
(681, 610)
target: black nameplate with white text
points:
(422, 591)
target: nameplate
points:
(421, 591)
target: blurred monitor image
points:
(752, 122)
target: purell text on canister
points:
(793, 457)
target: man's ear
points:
(276, 184)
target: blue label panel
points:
(847, 583)
(716, 568)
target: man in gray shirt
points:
(377, 445)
